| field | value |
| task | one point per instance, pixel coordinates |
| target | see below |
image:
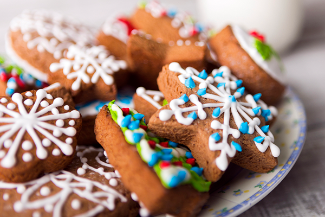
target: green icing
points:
(196, 181)
(267, 52)
(165, 102)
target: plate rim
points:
(263, 192)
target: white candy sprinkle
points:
(44, 103)
(5, 196)
(27, 157)
(75, 204)
(3, 100)
(72, 122)
(56, 152)
(81, 171)
(27, 145)
(28, 102)
(113, 182)
(66, 107)
(134, 196)
(156, 98)
(29, 94)
(45, 191)
(21, 189)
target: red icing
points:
(127, 23)
(125, 111)
(152, 144)
(164, 164)
(164, 144)
(144, 127)
(190, 161)
(178, 163)
(257, 35)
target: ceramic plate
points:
(239, 189)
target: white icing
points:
(5, 196)
(230, 105)
(134, 196)
(3, 100)
(22, 122)
(28, 102)
(46, 142)
(83, 57)
(66, 107)
(45, 191)
(27, 157)
(72, 123)
(56, 152)
(116, 28)
(113, 182)
(51, 87)
(75, 204)
(142, 92)
(246, 41)
(29, 94)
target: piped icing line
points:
(55, 33)
(157, 96)
(42, 76)
(27, 122)
(173, 165)
(88, 65)
(119, 27)
(52, 86)
(15, 77)
(272, 65)
(226, 104)
(103, 195)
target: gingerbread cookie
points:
(57, 90)
(216, 119)
(114, 35)
(151, 164)
(38, 135)
(37, 38)
(89, 73)
(147, 56)
(89, 186)
(13, 79)
(147, 102)
(252, 60)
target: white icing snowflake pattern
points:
(226, 104)
(102, 195)
(29, 122)
(88, 65)
(55, 32)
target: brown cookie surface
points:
(140, 178)
(89, 186)
(38, 135)
(207, 119)
(230, 52)
(44, 36)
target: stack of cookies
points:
(68, 146)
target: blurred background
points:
(296, 28)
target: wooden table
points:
(302, 192)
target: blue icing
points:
(244, 127)
(216, 136)
(232, 98)
(202, 91)
(203, 74)
(241, 90)
(189, 83)
(237, 146)
(193, 115)
(126, 121)
(198, 170)
(138, 116)
(134, 125)
(219, 74)
(239, 83)
(265, 128)
(216, 112)
(256, 110)
(184, 97)
(137, 137)
(221, 84)
(257, 96)
(259, 139)
(154, 159)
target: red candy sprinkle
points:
(127, 23)
(178, 163)
(144, 127)
(3, 76)
(163, 13)
(19, 82)
(164, 164)
(191, 161)
(257, 35)
(125, 111)
(193, 31)
(164, 144)
(152, 144)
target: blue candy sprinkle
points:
(265, 128)
(193, 115)
(137, 137)
(167, 157)
(239, 83)
(241, 90)
(181, 175)
(202, 91)
(216, 112)
(259, 139)
(167, 151)
(199, 27)
(184, 97)
(171, 12)
(244, 127)
(198, 170)
(173, 144)
(38, 83)
(154, 159)
(126, 121)
(12, 80)
(232, 98)
(173, 182)
(219, 74)
(216, 137)
(203, 74)
(257, 96)
(188, 154)
(138, 116)
(237, 146)
(256, 110)
(189, 83)
(134, 125)
(10, 91)
(221, 84)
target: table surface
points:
(302, 192)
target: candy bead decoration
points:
(88, 65)
(170, 162)
(22, 122)
(226, 104)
